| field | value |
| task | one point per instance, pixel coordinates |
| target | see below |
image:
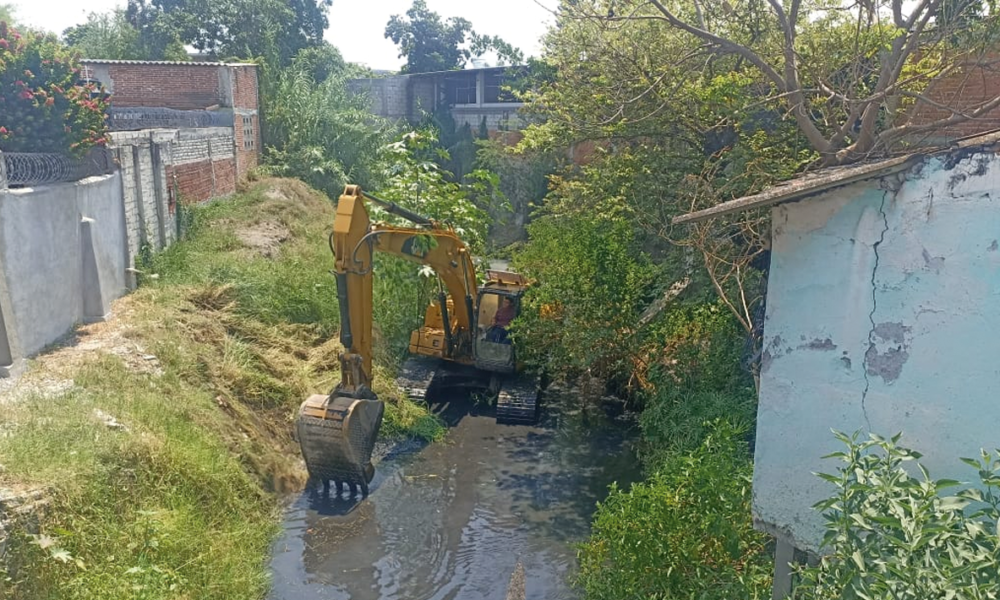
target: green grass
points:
(182, 504)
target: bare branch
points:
(897, 13)
(722, 42)
(789, 83)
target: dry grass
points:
(204, 368)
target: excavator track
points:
(517, 402)
(337, 437)
(416, 376)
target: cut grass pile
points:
(161, 482)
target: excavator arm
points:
(337, 432)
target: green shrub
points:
(695, 377)
(895, 535)
(591, 270)
(42, 108)
(686, 532)
(320, 133)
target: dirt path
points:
(51, 373)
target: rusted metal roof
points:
(833, 177)
(172, 63)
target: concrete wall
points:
(67, 250)
(881, 316)
(408, 97)
(388, 96)
(63, 260)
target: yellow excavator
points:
(461, 334)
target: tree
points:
(429, 44)
(273, 29)
(426, 42)
(7, 14)
(847, 76)
(106, 35)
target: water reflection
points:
(453, 520)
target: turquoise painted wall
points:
(883, 315)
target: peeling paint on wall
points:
(891, 290)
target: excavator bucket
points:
(337, 437)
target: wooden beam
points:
(804, 187)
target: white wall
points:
(883, 315)
(61, 247)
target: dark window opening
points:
(460, 89)
(494, 92)
(249, 138)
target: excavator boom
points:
(337, 432)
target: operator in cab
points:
(501, 321)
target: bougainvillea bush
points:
(43, 108)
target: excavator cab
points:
(494, 348)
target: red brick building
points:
(205, 161)
(962, 91)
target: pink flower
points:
(50, 102)
(4, 44)
(3, 131)
(26, 95)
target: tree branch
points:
(789, 83)
(894, 134)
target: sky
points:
(357, 28)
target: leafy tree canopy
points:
(7, 14)
(431, 44)
(273, 29)
(846, 77)
(108, 36)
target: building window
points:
(249, 139)
(494, 92)
(460, 89)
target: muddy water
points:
(451, 520)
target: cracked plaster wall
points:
(883, 314)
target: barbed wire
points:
(24, 168)
(134, 119)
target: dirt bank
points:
(162, 437)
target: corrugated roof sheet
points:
(176, 63)
(831, 177)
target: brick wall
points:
(193, 86)
(246, 125)
(204, 180)
(244, 87)
(167, 86)
(962, 91)
(202, 165)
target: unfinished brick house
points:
(962, 91)
(212, 110)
